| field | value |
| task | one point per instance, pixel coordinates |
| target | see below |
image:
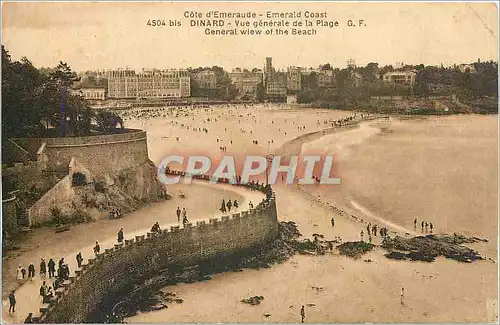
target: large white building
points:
(400, 77)
(149, 84)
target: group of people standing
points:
(226, 206)
(47, 270)
(45, 267)
(182, 214)
(372, 230)
(424, 226)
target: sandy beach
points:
(439, 169)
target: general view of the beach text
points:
(249, 162)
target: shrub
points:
(78, 179)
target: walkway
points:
(27, 295)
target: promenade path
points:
(27, 295)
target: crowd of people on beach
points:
(372, 230)
(424, 226)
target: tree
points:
(33, 100)
(107, 121)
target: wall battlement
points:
(125, 263)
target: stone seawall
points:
(101, 153)
(118, 267)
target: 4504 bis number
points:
(156, 22)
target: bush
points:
(78, 179)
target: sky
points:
(110, 35)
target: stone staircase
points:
(23, 221)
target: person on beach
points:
(362, 233)
(229, 205)
(368, 228)
(19, 273)
(43, 268)
(120, 235)
(184, 214)
(61, 262)
(185, 220)
(235, 204)
(178, 212)
(302, 313)
(333, 222)
(415, 223)
(97, 248)
(431, 226)
(422, 225)
(374, 230)
(426, 226)
(31, 271)
(79, 259)
(402, 296)
(12, 302)
(250, 205)
(52, 268)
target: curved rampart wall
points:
(123, 264)
(100, 153)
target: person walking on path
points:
(43, 290)
(402, 296)
(52, 268)
(12, 302)
(79, 259)
(302, 313)
(19, 273)
(431, 226)
(415, 223)
(333, 222)
(120, 236)
(422, 225)
(184, 214)
(362, 233)
(368, 228)
(374, 230)
(97, 248)
(178, 212)
(31, 271)
(223, 206)
(229, 205)
(43, 268)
